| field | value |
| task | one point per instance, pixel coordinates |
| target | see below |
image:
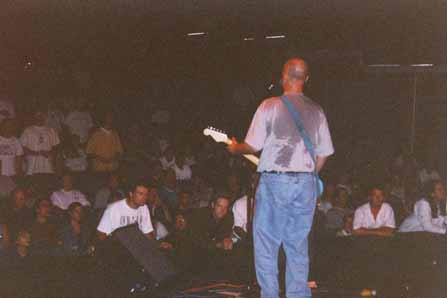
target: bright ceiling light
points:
(275, 36)
(249, 38)
(196, 33)
(422, 65)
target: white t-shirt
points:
(363, 217)
(39, 138)
(9, 149)
(63, 199)
(80, 123)
(77, 164)
(119, 214)
(240, 213)
(422, 220)
(426, 176)
(184, 173)
(274, 131)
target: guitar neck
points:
(253, 158)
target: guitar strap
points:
(304, 135)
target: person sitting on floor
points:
(74, 234)
(429, 213)
(375, 218)
(128, 211)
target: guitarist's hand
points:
(232, 147)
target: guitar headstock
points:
(218, 135)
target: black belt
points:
(287, 172)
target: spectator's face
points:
(152, 196)
(23, 239)
(439, 192)
(343, 198)
(113, 182)
(180, 222)
(348, 224)
(44, 208)
(220, 208)
(39, 118)
(108, 120)
(169, 154)
(180, 160)
(376, 197)
(140, 195)
(184, 199)
(67, 183)
(19, 199)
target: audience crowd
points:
(73, 173)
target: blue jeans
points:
(285, 205)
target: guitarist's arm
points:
(321, 160)
(240, 148)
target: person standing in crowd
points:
(7, 110)
(286, 195)
(183, 171)
(79, 121)
(429, 213)
(104, 147)
(73, 155)
(375, 218)
(168, 159)
(55, 117)
(11, 151)
(39, 143)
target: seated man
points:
(179, 243)
(63, 198)
(43, 231)
(74, 234)
(128, 211)
(212, 228)
(375, 218)
(109, 193)
(14, 216)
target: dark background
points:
(138, 51)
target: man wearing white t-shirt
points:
(132, 210)
(80, 122)
(11, 151)
(39, 144)
(63, 198)
(375, 218)
(183, 172)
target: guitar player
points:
(287, 190)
